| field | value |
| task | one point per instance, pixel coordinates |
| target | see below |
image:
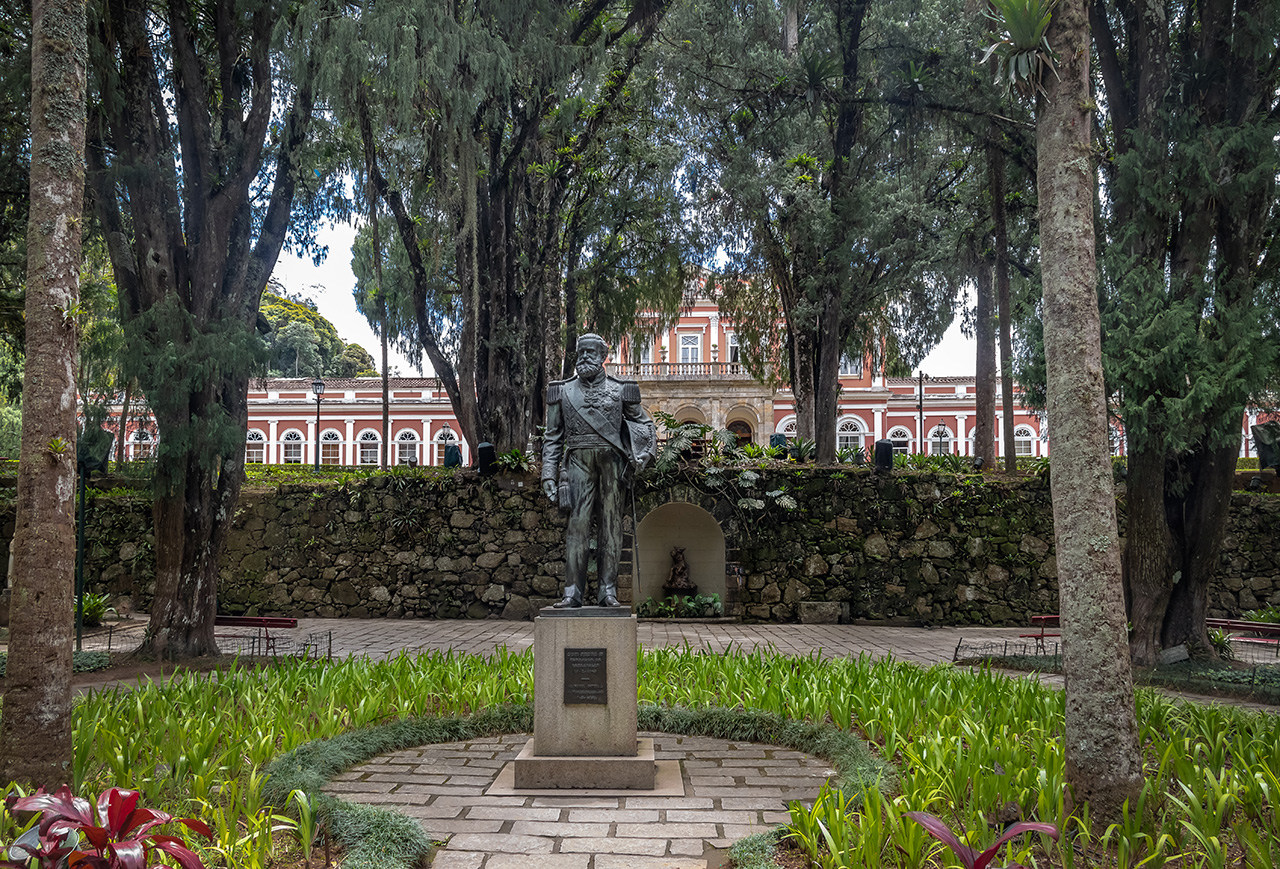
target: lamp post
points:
(920, 428)
(317, 386)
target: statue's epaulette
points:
(630, 391)
(553, 391)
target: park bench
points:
(1266, 633)
(1041, 624)
(261, 641)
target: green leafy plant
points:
(851, 455)
(1270, 614)
(1021, 49)
(96, 608)
(1220, 642)
(120, 836)
(803, 450)
(516, 461)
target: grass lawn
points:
(247, 748)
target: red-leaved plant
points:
(978, 859)
(120, 837)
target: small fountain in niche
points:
(678, 579)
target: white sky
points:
(330, 286)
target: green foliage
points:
(81, 662)
(96, 607)
(1220, 642)
(303, 343)
(1021, 50)
(687, 606)
(515, 461)
(756, 851)
(1270, 614)
(10, 431)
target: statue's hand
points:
(549, 489)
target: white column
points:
(349, 445)
(878, 424)
(961, 433)
(272, 458)
(424, 458)
(308, 454)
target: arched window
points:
(407, 448)
(370, 445)
(901, 440)
(849, 434)
(788, 427)
(940, 441)
(255, 447)
(292, 447)
(444, 438)
(1023, 436)
(141, 444)
(330, 448)
(742, 429)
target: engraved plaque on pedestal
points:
(586, 676)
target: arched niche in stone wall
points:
(677, 523)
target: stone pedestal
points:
(584, 704)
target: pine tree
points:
(1189, 277)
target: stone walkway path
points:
(731, 790)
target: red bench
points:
(262, 641)
(1041, 624)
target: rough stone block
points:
(815, 612)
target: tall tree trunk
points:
(826, 402)
(35, 730)
(984, 428)
(791, 28)
(1149, 546)
(1103, 762)
(386, 381)
(995, 175)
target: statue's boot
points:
(572, 598)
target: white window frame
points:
(1024, 437)
(441, 442)
(788, 427)
(142, 444)
(733, 351)
(690, 341)
(850, 366)
(901, 437)
(255, 448)
(850, 433)
(407, 447)
(946, 441)
(330, 447)
(292, 445)
(369, 439)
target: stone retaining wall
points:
(928, 548)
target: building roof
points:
(286, 384)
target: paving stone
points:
(457, 860)
(431, 811)
(619, 861)
(502, 843)
(615, 816)
(734, 832)
(668, 803)
(516, 813)
(602, 845)
(558, 830)
(537, 861)
(667, 831)
(686, 816)
(755, 802)
(577, 802)
(442, 828)
(688, 847)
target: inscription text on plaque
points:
(585, 680)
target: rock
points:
(819, 612)
(816, 565)
(517, 610)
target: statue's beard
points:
(589, 370)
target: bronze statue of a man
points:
(598, 435)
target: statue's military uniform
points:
(597, 434)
